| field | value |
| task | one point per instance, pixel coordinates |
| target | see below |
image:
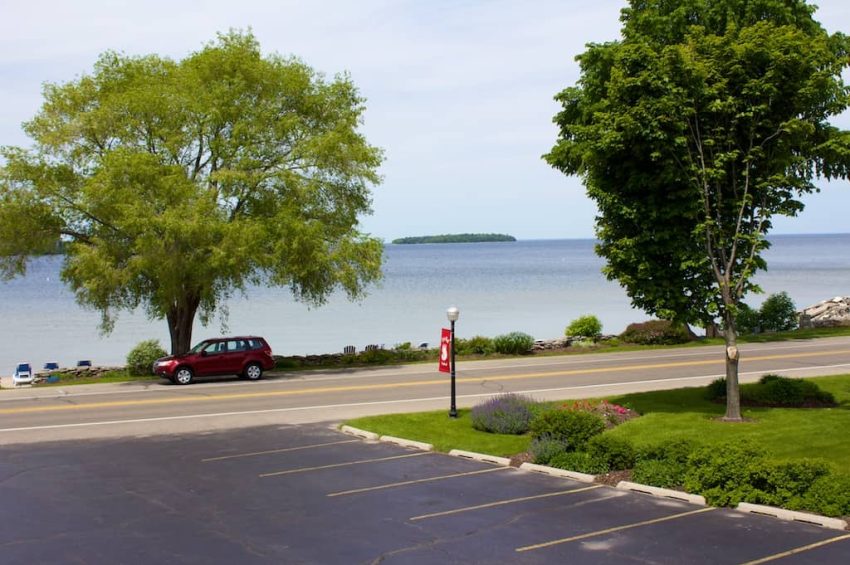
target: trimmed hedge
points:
(572, 428)
(655, 332)
(776, 391)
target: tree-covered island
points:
(456, 238)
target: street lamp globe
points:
(453, 314)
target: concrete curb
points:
(662, 492)
(793, 516)
(359, 433)
(563, 473)
(408, 443)
(503, 461)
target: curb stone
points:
(359, 433)
(563, 473)
(503, 461)
(663, 492)
(407, 443)
(793, 515)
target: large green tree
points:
(704, 121)
(175, 184)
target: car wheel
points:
(183, 376)
(253, 372)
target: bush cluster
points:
(476, 345)
(514, 343)
(580, 461)
(741, 472)
(655, 332)
(572, 428)
(141, 358)
(774, 390)
(504, 414)
(777, 314)
(585, 327)
(744, 472)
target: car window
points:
(216, 347)
(236, 345)
(256, 344)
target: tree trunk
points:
(181, 317)
(733, 391)
(711, 329)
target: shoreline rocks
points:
(831, 313)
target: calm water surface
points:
(531, 286)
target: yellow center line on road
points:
(282, 450)
(612, 530)
(502, 503)
(797, 550)
(401, 384)
(416, 482)
(337, 465)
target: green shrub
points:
(716, 390)
(655, 332)
(829, 495)
(514, 343)
(587, 327)
(580, 461)
(616, 452)
(659, 473)
(720, 473)
(782, 483)
(774, 390)
(571, 428)
(748, 320)
(778, 313)
(476, 345)
(141, 358)
(544, 449)
(504, 414)
(664, 464)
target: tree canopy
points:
(174, 184)
(704, 121)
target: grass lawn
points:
(788, 433)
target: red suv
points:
(246, 356)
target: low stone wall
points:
(76, 372)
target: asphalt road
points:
(308, 494)
(94, 411)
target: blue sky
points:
(459, 93)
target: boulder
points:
(826, 313)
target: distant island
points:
(456, 238)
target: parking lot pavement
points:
(308, 494)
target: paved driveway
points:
(308, 494)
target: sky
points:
(459, 92)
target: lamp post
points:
(453, 314)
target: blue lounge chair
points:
(51, 366)
(84, 363)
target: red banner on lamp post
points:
(445, 351)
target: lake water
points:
(533, 286)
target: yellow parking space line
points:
(612, 530)
(416, 481)
(337, 465)
(283, 450)
(502, 503)
(797, 550)
(401, 384)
